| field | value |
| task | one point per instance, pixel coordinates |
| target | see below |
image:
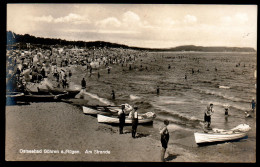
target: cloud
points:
(190, 19)
(117, 32)
(43, 19)
(109, 22)
(71, 18)
(241, 17)
(226, 19)
(131, 17)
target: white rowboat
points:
(115, 120)
(90, 111)
(221, 135)
(202, 138)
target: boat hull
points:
(13, 97)
(115, 120)
(70, 93)
(90, 111)
(42, 98)
(207, 138)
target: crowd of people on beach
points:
(35, 64)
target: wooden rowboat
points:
(13, 97)
(42, 98)
(94, 110)
(202, 138)
(70, 93)
(128, 121)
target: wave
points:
(223, 105)
(162, 100)
(134, 97)
(175, 124)
(220, 94)
(105, 101)
(224, 87)
(168, 112)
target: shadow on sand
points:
(171, 157)
(140, 135)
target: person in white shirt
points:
(134, 121)
(121, 116)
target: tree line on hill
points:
(21, 41)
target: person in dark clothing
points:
(226, 113)
(164, 138)
(207, 116)
(121, 116)
(70, 73)
(43, 73)
(134, 121)
(158, 90)
(113, 95)
(83, 83)
(253, 105)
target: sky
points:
(141, 25)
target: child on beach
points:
(164, 138)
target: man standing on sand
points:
(164, 138)
(121, 116)
(134, 116)
(207, 115)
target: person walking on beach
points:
(207, 116)
(134, 116)
(121, 116)
(83, 83)
(158, 90)
(164, 138)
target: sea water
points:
(223, 79)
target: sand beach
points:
(61, 132)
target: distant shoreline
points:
(199, 52)
(27, 41)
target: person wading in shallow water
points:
(158, 90)
(164, 138)
(121, 116)
(226, 113)
(113, 95)
(207, 116)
